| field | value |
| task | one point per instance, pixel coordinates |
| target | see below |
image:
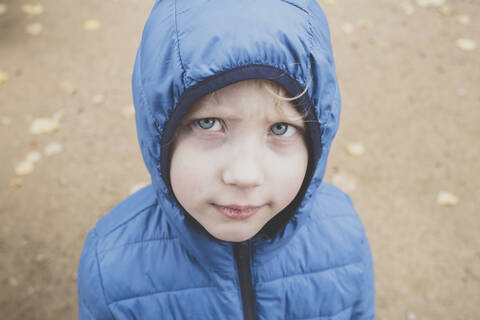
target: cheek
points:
(288, 172)
(189, 172)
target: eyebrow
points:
(225, 113)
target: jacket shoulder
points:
(333, 202)
(136, 204)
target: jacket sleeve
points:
(364, 308)
(92, 304)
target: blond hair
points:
(278, 92)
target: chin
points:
(233, 236)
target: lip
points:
(234, 211)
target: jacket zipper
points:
(242, 258)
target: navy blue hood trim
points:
(221, 80)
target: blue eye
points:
(283, 129)
(211, 124)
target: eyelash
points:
(196, 123)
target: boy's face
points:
(237, 161)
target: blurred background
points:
(407, 151)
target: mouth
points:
(236, 211)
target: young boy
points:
(237, 104)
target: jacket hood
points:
(191, 48)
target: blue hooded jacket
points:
(149, 259)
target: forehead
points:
(249, 99)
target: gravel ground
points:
(409, 131)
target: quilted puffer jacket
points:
(149, 259)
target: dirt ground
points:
(411, 99)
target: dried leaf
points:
(33, 9)
(3, 77)
(430, 3)
(138, 186)
(44, 125)
(445, 198)
(52, 148)
(408, 9)
(447, 11)
(382, 44)
(348, 27)
(33, 157)
(68, 87)
(3, 8)
(344, 181)
(98, 99)
(463, 19)
(15, 183)
(364, 24)
(466, 44)
(128, 112)
(91, 25)
(24, 168)
(356, 149)
(34, 29)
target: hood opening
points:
(254, 71)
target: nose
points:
(243, 166)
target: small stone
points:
(68, 88)
(24, 168)
(31, 290)
(91, 25)
(128, 112)
(5, 121)
(52, 148)
(137, 187)
(447, 199)
(15, 183)
(32, 9)
(461, 92)
(404, 291)
(348, 27)
(34, 29)
(3, 8)
(466, 44)
(411, 316)
(13, 282)
(463, 19)
(356, 149)
(44, 125)
(3, 77)
(98, 99)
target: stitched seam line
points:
(324, 316)
(100, 276)
(137, 242)
(178, 43)
(159, 292)
(127, 221)
(311, 273)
